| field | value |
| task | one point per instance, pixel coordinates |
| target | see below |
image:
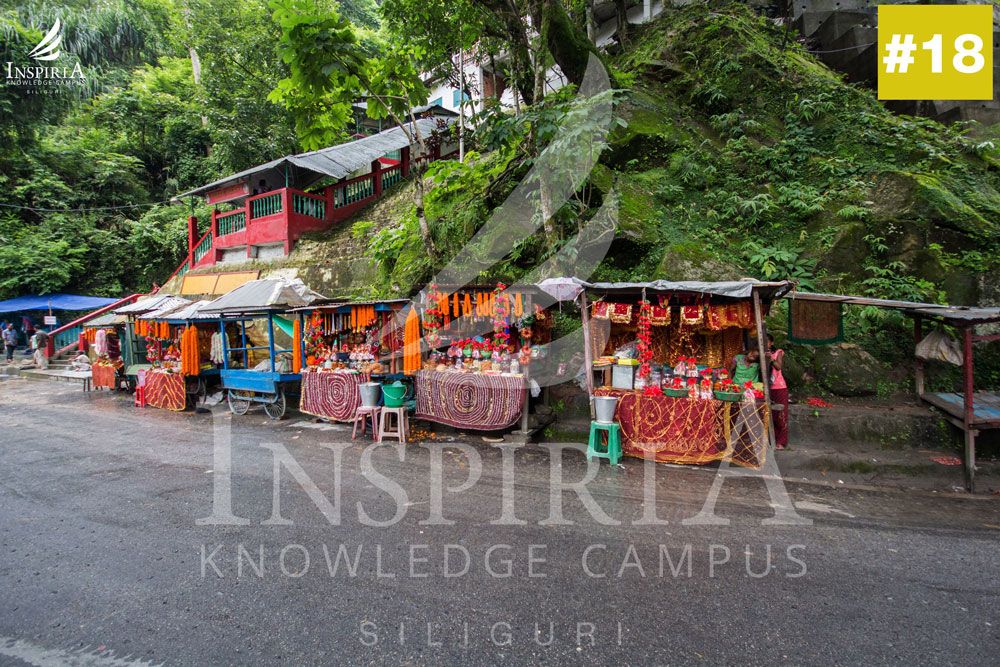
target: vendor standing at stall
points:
(779, 394)
(746, 368)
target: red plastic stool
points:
(361, 416)
(140, 397)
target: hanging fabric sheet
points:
(815, 322)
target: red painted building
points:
(261, 212)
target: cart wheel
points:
(238, 403)
(276, 410)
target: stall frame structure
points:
(529, 292)
(970, 411)
(190, 315)
(253, 300)
(760, 294)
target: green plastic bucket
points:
(393, 394)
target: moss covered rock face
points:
(847, 370)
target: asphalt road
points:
(104, 560)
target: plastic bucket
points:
(394, 394)
(370, 393)
(604, 408)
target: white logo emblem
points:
(48, 48)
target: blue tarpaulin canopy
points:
(53, 302)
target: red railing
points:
(50, 348)
(283, 215)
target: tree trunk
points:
(621, 16)
(568, 45)
(425, 227)
(515, 33)
(591, 22)
(540, 53)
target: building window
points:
(437, 101)
(456, 97)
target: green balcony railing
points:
(267, 205)
(391, 177)
(306, 205)
(230, 223)
(202, 248)
(353, 192)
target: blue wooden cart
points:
(258, 300)
(245, 386)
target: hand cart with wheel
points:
(259, 300)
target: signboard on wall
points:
(228, 193)
(50, 320)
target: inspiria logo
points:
(41, 77)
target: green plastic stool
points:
(596, 448)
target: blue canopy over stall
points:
(54, 302)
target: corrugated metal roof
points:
(957, 314)
(105, 320)
(560, 288)
(263, 295)
(192, 312)
(144, 305)
(336, 161)
(168, 306)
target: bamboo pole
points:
(588, 361)
(764, 366)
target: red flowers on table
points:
(643, 334)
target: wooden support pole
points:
(588, 361)
(968, 386)
(918, 365)
(527, 377)
(765, 375)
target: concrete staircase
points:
(59, 369)
(844, 35)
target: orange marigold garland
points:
(411, 342)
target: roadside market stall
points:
(255, 369)
(135, 333)
(178, 349)
(665, 351)
(346, 345)
(101, 339)
(817, 319)
(473, 370)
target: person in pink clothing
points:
(779, 394)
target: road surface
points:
(108, 557)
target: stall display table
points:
(331, 395)
(470, 401)
(104, 376)
(166, 390)
(686, 430)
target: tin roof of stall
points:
(195, 311)
(334, 303)
(564, 289)
(168, 306)
(258, 296)
(144, 305)
(953, 314)
(340, 160)
(105, 320)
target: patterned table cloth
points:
(470, 400)
(166, 390)
(686, 430)
(331, 395)
(103, 376)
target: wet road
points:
(107, 556)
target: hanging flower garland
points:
(501, 311)
(432, 317)
(645, 347)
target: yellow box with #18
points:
(935, 52)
